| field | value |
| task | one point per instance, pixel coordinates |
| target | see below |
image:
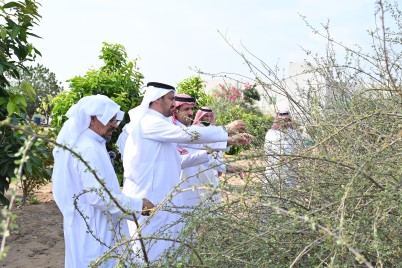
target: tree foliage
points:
(195, 87)
(118, 78)
(46, 87)
(18, 18)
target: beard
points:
(108, 136)
(107, 139)
(206, 123)
(169, 112)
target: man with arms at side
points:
(281, 141)
(91, 219)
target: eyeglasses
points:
(113, 122)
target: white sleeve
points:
(96, 195)
(164, 131)
(214, 146)
(121, 141)
(217, 162)
(194, 159)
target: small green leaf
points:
(11, 107)
(28, 167)
(28, 89)
(3, 100)
(22, 100)
(3, 33)
(12, 4)
(15, 31)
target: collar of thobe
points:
(158, 114)
(180, 124)
(177, 123)
(92, 134)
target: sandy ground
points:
(38, 241)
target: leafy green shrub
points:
(37, 167)
(18, 19)
(119, 79)
(195, 87)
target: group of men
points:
(163, 156)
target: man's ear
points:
(93, 118)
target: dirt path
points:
(38, 240)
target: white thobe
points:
(196, 158)
(152, 167)
(101, 214)
(279, 144)
(121, 141)
(197, 179)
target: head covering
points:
(79, 118)
(281, 114)
(154, 91)
(203, 111)
(181, 99)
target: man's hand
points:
(237, 126)
(147, 207)
(237, 170)
(240, 139)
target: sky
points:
(169, 37)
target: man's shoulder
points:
(152, 119)
(85, 143)
(272, 134)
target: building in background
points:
(291, 93)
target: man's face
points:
(102, 130)
(185, 113)
(167, 104)
(285, 123)
(206, 118)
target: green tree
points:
(118, 79)
(46, 87)
(195, 87)
(17, 18)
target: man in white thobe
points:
(216, 165)
(281, 140)
(91, 220)
(196, 179)
(152, 163)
